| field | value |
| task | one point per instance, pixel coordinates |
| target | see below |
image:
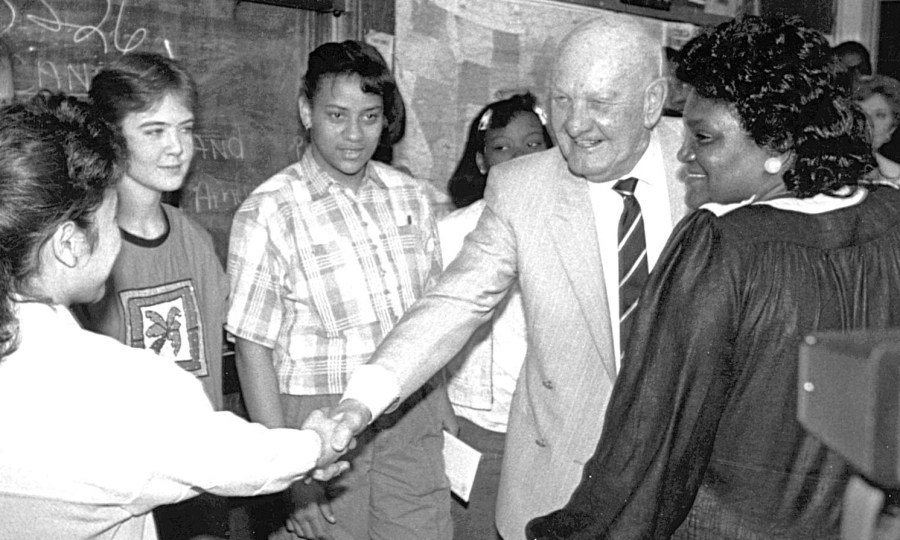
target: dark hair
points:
(138, 81)
(848, 48)
(848, 75)
(57, 158)
(467, 183)
(358, 59)
(880, 85)
(780, 79)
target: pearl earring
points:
(772, 165)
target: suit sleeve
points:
(440, 323)
(666, 404)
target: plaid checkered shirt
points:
(321, 274)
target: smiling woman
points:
(160, 149)
(701, 438)
(723, 163)
(167, 289)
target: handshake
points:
(337, 427)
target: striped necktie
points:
(632, 258)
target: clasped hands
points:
(337, 427)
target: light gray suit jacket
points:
(538, 229)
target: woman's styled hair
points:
(780, 79)
(880, 85)
(57, 158)
(138, 81)
(467, 183)
(358, 59)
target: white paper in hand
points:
(461, 464)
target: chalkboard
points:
(248, 60)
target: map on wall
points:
(452, 57)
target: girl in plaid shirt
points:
(324, 259)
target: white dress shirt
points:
(653, 196)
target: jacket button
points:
(541, 442)
(548, 384)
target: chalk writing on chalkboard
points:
(247, 63)
(50, 20)
(218, 146)
(84, 31)
(98, 36)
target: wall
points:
(857, 20)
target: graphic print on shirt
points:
(165, 320)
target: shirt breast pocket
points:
(413, 258)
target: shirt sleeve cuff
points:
(318, 439)
(374, 386)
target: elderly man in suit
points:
(552, 223)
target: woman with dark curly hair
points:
(701, 438)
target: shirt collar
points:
(45, 312)
(818, 204)
(648, 170)
(321, 183)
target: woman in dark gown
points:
(701, 438)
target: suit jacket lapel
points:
(574, 235)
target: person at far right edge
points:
(701, 437)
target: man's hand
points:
(351, 417)
(311, 506)
(326, 427)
